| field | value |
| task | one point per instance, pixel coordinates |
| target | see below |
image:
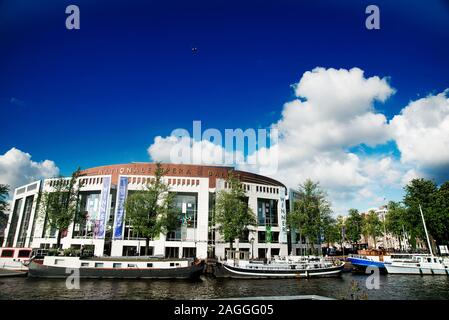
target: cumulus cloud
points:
(334, 111)
(421, 132)
(17, 168)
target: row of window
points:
(247, 187)
(58, 182)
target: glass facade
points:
(87, 220)
(186, 204)
(14, 220)
(25, 221)
(267, 212)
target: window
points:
(87, 221)
(84, 264)
(171, 252)
(149, 265)
(267, 212)
(14, 220)
(261, 236)
(24, 253)
(99, 264)
(188, 252)
(7, 253)
(59, 261)
(116, 265)
(274, 252)
(132, 265)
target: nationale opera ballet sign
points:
(196, 171)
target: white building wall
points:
(196, 238)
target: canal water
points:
(347, 286)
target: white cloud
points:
(421, 132)
(17, 168)
(334, 110)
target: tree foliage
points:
(232, 213)
(354, 226)
(61, 204)
(311, 212)
(372, 226)
(4, 192)
(152, 211)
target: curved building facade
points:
(107, 232)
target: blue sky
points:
(99, 95)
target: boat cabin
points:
(16, 254)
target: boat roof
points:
(136, 258)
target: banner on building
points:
(283, 216)
(120, 208)
(103, 216)
(268, 237)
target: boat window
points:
(99, 264)
(429, 260)
(84, 264)
(132, 265)
(172, 264)
(7, 253)
(58, 261)
(24, 253)
(117, 265)
(149, 265)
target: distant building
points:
(387, 240)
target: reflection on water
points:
(391, 287)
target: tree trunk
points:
(58, 239)
(147, 246)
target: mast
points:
(425, 229)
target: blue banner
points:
(104, 199)
(120, 210)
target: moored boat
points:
(116, 267)
(288, 268)
(13, 261)
(419, 264)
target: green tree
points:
(442, 208)
(152, 211)
(372, 226)
(395, 220)
(232, 213)
(330, 230)
(354, 226)
(422, 192)
(61, 204)
(341, 227)
(4, 194)
(311, 210)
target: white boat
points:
(286, 267)
(14, 259)
(116, 267)
(420, 264)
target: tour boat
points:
(115, 267)
(13, 261)
(289, 267)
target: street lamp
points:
(251, 239)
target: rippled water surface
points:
(391, 287)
